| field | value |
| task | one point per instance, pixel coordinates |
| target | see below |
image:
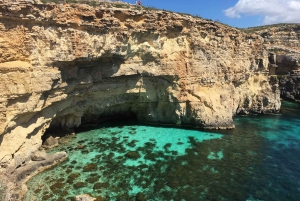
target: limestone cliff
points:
(67, 64)
(280, 35)
(283, 44)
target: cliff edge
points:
(63, 65)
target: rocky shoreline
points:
(14, 180)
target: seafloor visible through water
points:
(258, 160)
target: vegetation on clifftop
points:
(260, 28)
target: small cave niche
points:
(272, 58)
(99, 14)
(58, 128)
(87, 18)
(260, 63)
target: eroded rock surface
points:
(14, 179)
(280, 35)
(64, 65)
(84, 198)
(290, 86)
(283, 44)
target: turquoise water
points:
(259, 160)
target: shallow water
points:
(259, 160)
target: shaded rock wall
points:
(64, 65)
(290, 86)
(283, 44)
(284, 63)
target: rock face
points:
(290, 86)
(14, 179)
(50, 142)
(283, 43)
(84, 198)
(281, 35)
(68, 64)
(39, 156)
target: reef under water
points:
(258, 160)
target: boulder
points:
(90, 167)
(50, 142)
(39, 156)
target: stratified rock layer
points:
(281, 35)
(64, 65)
(283, 43)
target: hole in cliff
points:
(99, 14)
(87, 18)
(260, 63)
(60, 127)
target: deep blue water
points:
(258, 160)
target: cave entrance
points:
(70, 124)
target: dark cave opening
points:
(58, 129)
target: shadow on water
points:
(128, 161)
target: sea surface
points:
(258, 160)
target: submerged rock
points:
(92, 179)
(79, 185)
(140, 197)
(80, 146)
(132, 132)
(47, 197)
(64, 140)
(74, 175)
(133, 154)
(90, 167)
(57, 185)
(100, 185)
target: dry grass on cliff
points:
(260, 28)
(120, 4)
(115, 4)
